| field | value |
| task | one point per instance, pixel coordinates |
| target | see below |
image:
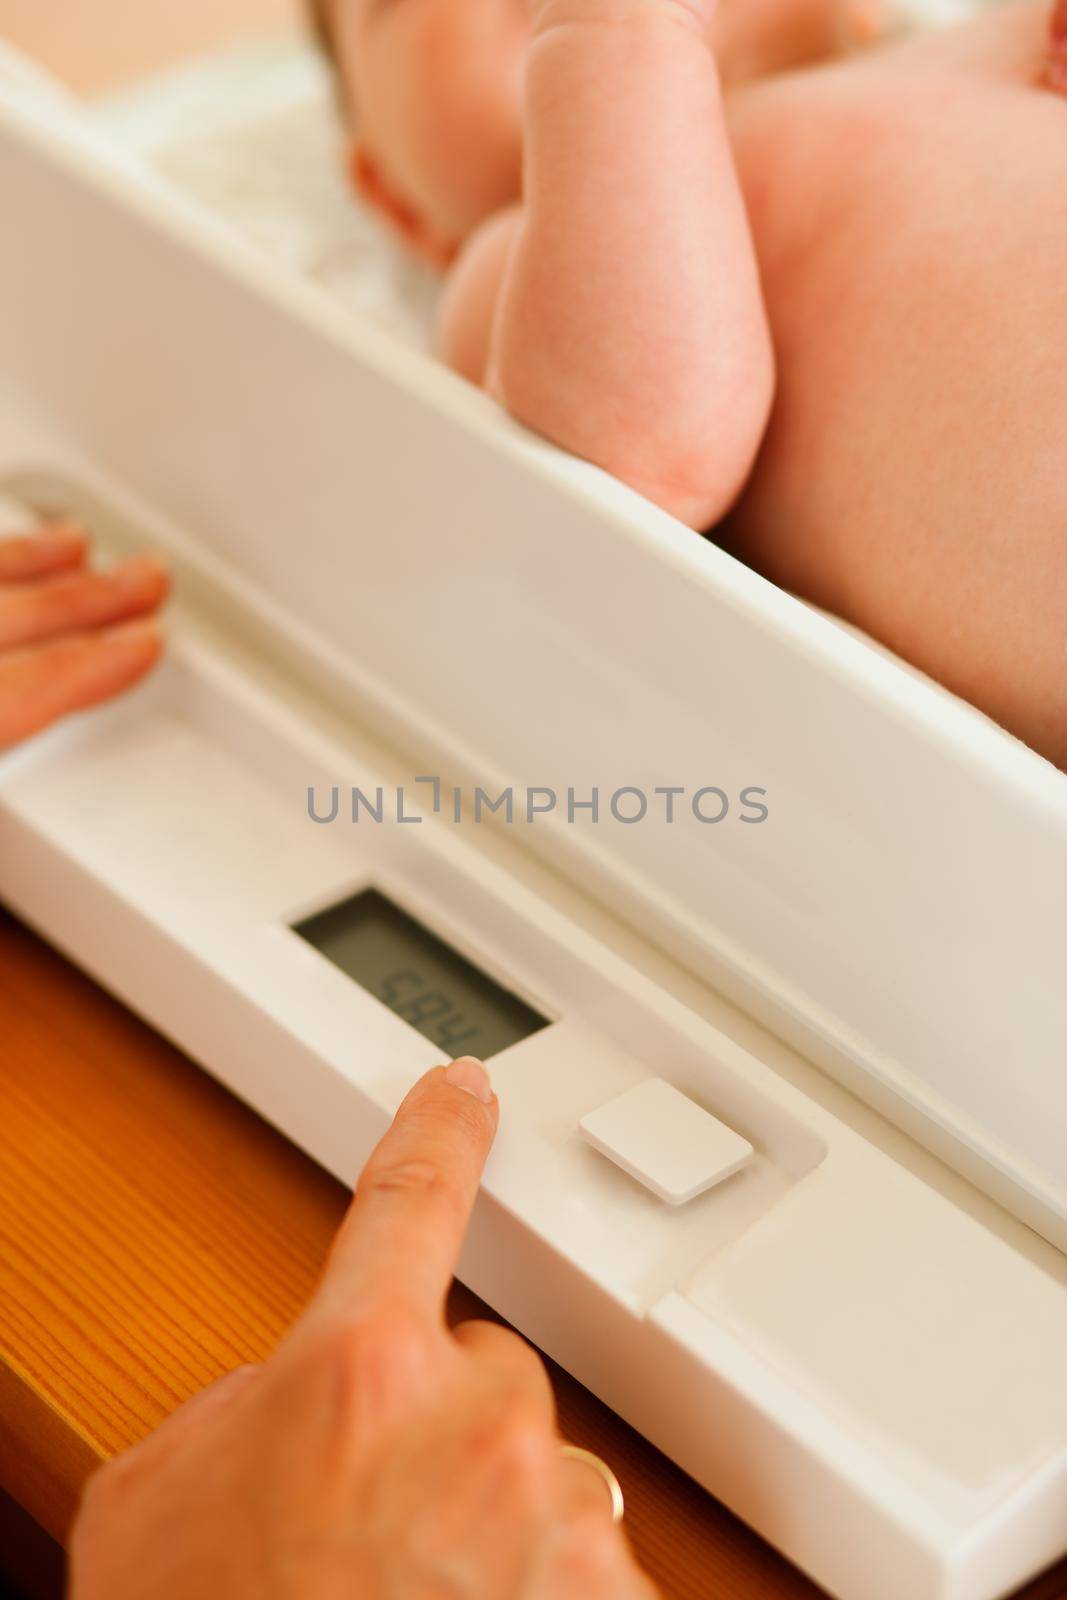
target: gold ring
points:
(573, 1452)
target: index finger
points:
(404, 1231)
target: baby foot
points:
(1056, 69)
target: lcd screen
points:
(425, 981)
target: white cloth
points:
(253, 135)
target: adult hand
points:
(376, 1455)
(68, 638)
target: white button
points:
(665, 1141)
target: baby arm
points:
(618, 311)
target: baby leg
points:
(629, 324)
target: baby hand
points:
(68, 638)
(1056, 71)
(548, 14)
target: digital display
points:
(450, 1001)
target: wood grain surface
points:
(155, 1233)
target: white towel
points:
(253, 135)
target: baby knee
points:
(698, 454)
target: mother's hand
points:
(375, 1456)
(68, 636)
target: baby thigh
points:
(912, 478)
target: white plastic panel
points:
(512, 615)
(164, 843)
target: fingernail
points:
(469, 1075)
(137, 569)
(62, 532)
(135, 633)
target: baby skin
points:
(815, 302)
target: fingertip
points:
(56, 547)
(64, 533)
(140, 644)
(147, 570)
(145, 633)
(469, 1074)
(160, 567)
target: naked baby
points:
(814, 300)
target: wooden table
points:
(154, 1233)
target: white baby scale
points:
(859, 1339)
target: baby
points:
(818, 302)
